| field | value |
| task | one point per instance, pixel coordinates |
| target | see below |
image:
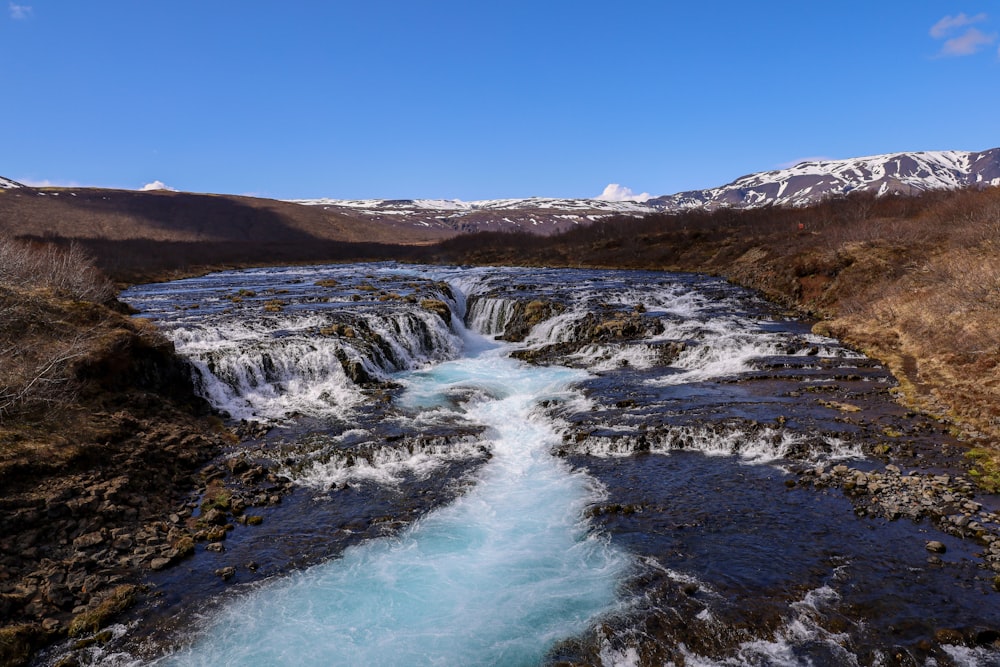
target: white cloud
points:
(616, 192)
(157, 185)
(948, 24)
(970, 42)
(19, 12)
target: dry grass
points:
(38, 286)
(68, 272)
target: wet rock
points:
(159, 563)
(226, 573)
(214, 517)
(936, 547)
(438, 307)
(949, 636)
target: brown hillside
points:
(140, 235)
(116, 215)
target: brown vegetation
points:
(136, 236)
(32, 277)
(99, 432)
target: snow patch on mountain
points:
(7, 184)
(457, 206)
(812, 180)
(803, 183)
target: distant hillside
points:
(177, 216)
(138, 234)
(539, 215)
(135, 234)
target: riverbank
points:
(101, 438)
(682, 495)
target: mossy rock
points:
(19, 642)
(92, 620)
(274, 305)
(438, 307)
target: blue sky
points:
(476, 100)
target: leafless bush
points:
(38, 343)
(37, 377)
(68, 271)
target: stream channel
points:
(513, 466)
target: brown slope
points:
(90, 213)
(141, 236)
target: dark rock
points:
(88, 540)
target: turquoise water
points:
(497, 578)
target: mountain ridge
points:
(809, 181)
(114, 213)
(799, 185)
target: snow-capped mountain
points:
(803, 184)
(538, 214)
(6, 184)
(808, 182)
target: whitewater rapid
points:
(497, 577)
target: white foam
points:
(800, 628)
(965, 656)
(498, 576)
(386, 464)
(764, 446)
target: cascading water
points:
(637, 472)
(495, 578)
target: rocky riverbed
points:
(756, 472)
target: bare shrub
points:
(37, 377)
(68, 271)
(38, 342)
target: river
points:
(506, 466)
